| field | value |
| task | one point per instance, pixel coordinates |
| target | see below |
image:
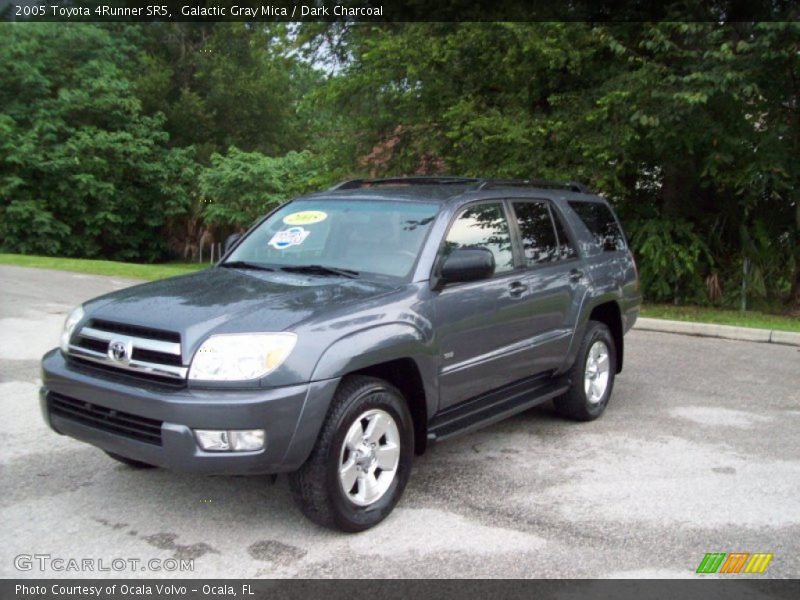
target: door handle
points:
(516, 288)
(575, 275)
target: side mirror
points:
(231, 240)
(468, 264)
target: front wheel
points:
(591, 377)
(361, 462)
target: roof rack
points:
(481, 184)
(572, 186)
(434, 180)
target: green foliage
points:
(21, 217)
(83, 172)
(221, 85)
(136, 141)
(695, 122)
(671, 259)
(104, 131)
(242, 186)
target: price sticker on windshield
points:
(294, 236)
(305, 217)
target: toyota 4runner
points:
(349, 329)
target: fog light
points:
(244, 440)
(209, 439)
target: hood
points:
(224, 300)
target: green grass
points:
(102, 267)
(750, 318)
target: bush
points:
(242, 186)
(672, 258)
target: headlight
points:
(238, 357)
(69, 326)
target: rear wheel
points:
(362, 459)
(136, 464)
(591, 377)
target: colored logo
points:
(294, 236)
(305, 217)
(734, 562)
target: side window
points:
(565, 248)
(538, 236)
(483, 225)
(601, 224)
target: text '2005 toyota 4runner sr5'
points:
(347, 330)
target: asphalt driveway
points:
(698, 452)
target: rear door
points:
(607, 258)
(554, 278)
(609, 264)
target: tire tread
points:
(572, 405)
(308, 484)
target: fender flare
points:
(370, 346)
(358, 350)
(588, 304)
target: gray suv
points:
(348, 330)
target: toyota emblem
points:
(119, 351)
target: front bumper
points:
(291, 417)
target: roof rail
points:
(573, 186)
(481, 184)
(433, 180)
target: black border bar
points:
(399, 10)
(348, 589)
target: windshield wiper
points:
(321, 270)
(243, 264)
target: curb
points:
(728, 332)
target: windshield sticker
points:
(305, 217)
(294, 236)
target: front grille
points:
(157, 357)
(120, 423)
(147, 353)
(89, 343)
(104, 371)
(135, 330)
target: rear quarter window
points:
(600, 222)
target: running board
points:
(495, 406)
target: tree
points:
(222, 84)
(83, 172)
(691, 129)
(240, 187)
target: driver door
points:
(482, 325)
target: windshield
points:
(357, 236)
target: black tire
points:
(574, 404)
(136, 464)
(316, 486)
